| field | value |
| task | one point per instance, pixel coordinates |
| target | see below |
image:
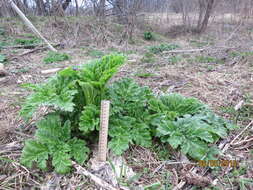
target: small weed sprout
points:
(175, 59)
(162, 47)
(2, 58)
(95, 53)
(148, 58)
(148, 36)
(53, 57)
(27, 42)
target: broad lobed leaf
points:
(136, 117)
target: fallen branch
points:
(239, 105)
(31, 51)
(232, 142)
(51, 71)
(26, 53)
(97, 180)
(185, 50)
(233, 32)
(199, 50)
(30, 25)
(28, 46)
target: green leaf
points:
(119, 145)
(140, 133)
(164, 127)
(204, 135)
(128, 98)
(2, 58)
(120, 132)
(61, 161)
(198, 149)
(55, 57)
(55, 93)
(89, 120)
(50, 130)
(212, 153)
(34, 152)
(181, 105)
(79, 151)
(175, 140)
(91, 94)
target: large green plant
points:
(129, 116)
(72, 95)
(188, 125)
(136, 117)
(72, 89)
(53, 141)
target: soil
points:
(221, 85)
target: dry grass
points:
(221, 86)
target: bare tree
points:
(40, 7)
(119, 11)
(101, 8)
(65, 4)
(77, 8)
(206, 8)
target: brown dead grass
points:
(225, 85)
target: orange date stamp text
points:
(218, 163)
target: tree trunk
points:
(202, 7)
(101, 8)
(40, 8)
(204, 23)
(66, 4)
(77, 8)
(120, 12)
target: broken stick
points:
(30, 25)
(97, 180)
(54, 70)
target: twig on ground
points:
(225, 148)
(185, 50)
(199, 50)
(233, 33)
(97, 180)
(242, 132)
(54, 70)
(30, 46)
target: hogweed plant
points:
(137, 116)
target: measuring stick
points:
(103, 132)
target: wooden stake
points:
(30, 25)
(103, 132)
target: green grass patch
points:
(162, 151)
(244, 114)
(53, 57)
(2, 58)
(145, 75)
(205, 59)
(32, 41)
(148, 36)
(2, 31)
(198, 44)
(175, 59)
(95, 53)
(22, 70)
(148, 58)
(241, 54)
(162, 47)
